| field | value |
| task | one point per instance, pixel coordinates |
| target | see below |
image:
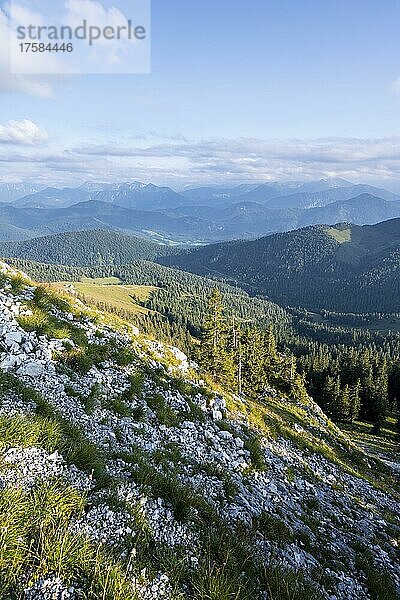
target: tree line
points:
(350, 385)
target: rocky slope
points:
(124, 475)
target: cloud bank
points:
(178, 161)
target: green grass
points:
(136, 384)
(274, 418)
(212, 469)
(83, 358)
(98, 281)
(283, 584)
(120, 408)
(165, 414)
(44, 323)
(379, 582)
(182, 498)
(227, 568)
(35, 542)
(10, 383)
(48, 430)
(75, 446)
(340, 235)
(93, 400)
(29, 431)
(253, 445)
(84, 454)
(110, 292)
(214, 582)
(274, 529)
(18, 282)
(36, 537)
(82, 355)
(385, 445)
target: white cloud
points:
(324, 153)
(121, 55)
(97, 53)
(25, 84)
(24, 132)
(94, 13)
(180, 161)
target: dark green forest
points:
(345, 268)
(85, 248)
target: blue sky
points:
(239, 91)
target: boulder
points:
(31, 369)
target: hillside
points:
(10, 232)
(51, 197)
(110, 292)
(94, 214)
(124, 475)
(251, 219)
(177, 304)
(140, 196)
(85, 248)
(357, 352)
(217, 194)
(271, 192)
(342, 268)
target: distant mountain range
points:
(136, 196)
(192, 216)
(343, 268)
(261, 193)
(329, 196)
(9, 192)
(33, 222)
(364, 209)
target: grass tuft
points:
(28, 431)
(35, 542)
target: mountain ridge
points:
(86, 248)
(325, 197)
(326, 257)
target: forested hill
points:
(85, 248)
(341, 268)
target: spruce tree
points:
(379, 398)
(331, 394)
(214, 355)
(354, 405)
(254, 367)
